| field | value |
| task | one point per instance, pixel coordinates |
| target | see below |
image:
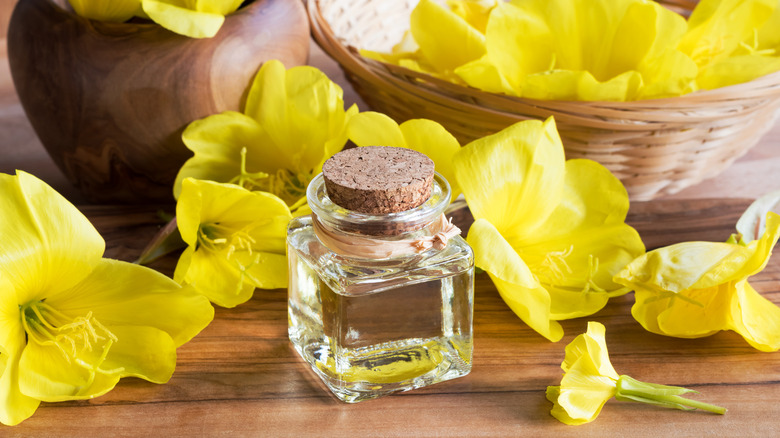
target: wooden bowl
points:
(109, 101)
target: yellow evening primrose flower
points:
(192, 18)
(425, 136)
(550, 233)
(106, 10)
(571, 50)
(696, 289)
(71, 322)
(236, 241)
(589, 381)
(293, 121)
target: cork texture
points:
(378, 179)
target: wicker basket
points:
(655, 147)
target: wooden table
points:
(241, 377)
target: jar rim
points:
(335, 216)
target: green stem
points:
(630, 389)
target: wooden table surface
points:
(241, 377)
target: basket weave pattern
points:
(655, 147)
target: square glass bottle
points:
(372, 325)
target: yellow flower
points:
(71, 322)
(422, 135)
(236, 241)
(551, 233)
(590, 381)
(733, 41)
(696, 289)
(106, 10)
(571, 50)
(192, 18)
(293, 121)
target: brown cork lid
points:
(378, 179)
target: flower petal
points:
(756, 318)
(45, 373)
(217, 142)
(591, 345)
(375, 129)
(47, 245)
(302, 111)
(513, 178)
(463, 43)
(216, 277)
(119, 293)
(15, 407)
(222, 7)
(431, 139)
(182, 20)
(114, 10)
(588, 236)
(515, 282)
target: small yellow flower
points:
(71, 322)
(550, 233)
(422, 135)
(192, 18)
(236, 241)
(696, 289)
(590, 381)
(293, 121)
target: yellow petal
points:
(736, 70)
(519, 42)
(756, 318)
(302, 112)
(581, 85)
(181, 20)
(375, 129)
(114, 10)
(431, 139)
(463, 43)
(125, 294)
(45, 373)
(15, 407)
(717, 27)
(583, 396)
(222, 7)
(484, 75)
(48, 245)
(217, 142)
(513, 178)
(218, 279)
(591, 345)
(584, 242)
(475, 12)
(704, 313)
(514, 281)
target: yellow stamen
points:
(46, 326)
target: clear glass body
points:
(369, 327)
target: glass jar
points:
(369, 326)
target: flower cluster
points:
(192, 18)
(597, 50)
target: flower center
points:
(46, 326)
(286, 184)
(217, 237)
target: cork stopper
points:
(378, 179)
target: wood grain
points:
(109, 100)
(240, 376)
